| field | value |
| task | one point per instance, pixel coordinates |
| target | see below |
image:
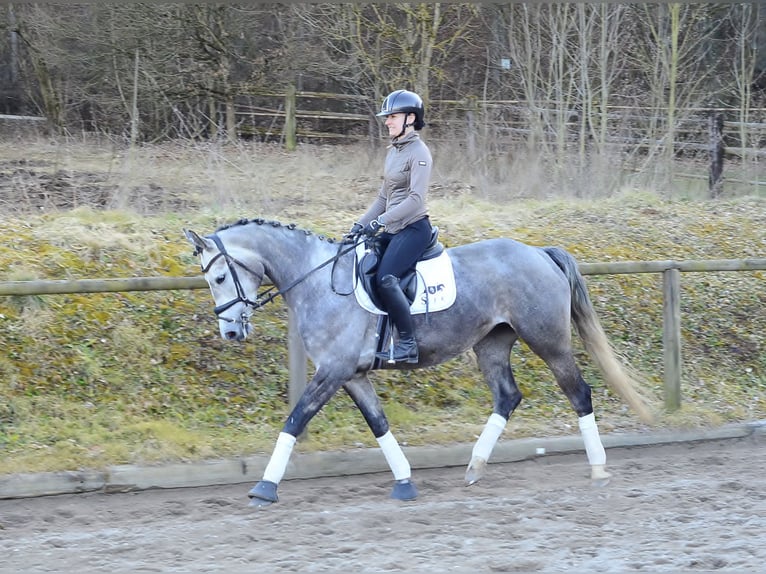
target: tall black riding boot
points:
(398, 308)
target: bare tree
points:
(184, 70)
(11, 99)
(675, 64)
(743, 21)
(738, 79)
(381, 47)
(39, 64)
(596, 67)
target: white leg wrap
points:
(488, 438)
(593, 447)
(394, 456)
(275, 470)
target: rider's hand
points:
(372, 228)
(355, 230)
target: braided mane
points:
(273, 223)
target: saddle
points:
(368, 265)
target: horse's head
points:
(234, 277)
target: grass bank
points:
(92, 380)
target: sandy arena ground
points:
(691, 507)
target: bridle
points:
(232, 263)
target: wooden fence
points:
(671, 340)
(627, 125)
(697, 133)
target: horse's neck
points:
(290, 255)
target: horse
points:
(506, 291)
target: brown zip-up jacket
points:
(406, 176)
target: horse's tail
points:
(620, 378)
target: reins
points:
(259, 302)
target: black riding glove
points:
(355, 230)
(372, 228)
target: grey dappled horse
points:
(506, 290)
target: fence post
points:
(290, 124)
(715, 179)
(671, 336)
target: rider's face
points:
(394, 123)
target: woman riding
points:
(399, 211)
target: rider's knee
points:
(388, 281)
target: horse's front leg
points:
(363, 394)
(319, 390)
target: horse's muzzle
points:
(235, 330)
(234, 336)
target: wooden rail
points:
(23, 118)
(515, 113)
(671, 292)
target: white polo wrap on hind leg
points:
(275, 470)
(489, 436)
(593, 447)
(395, 458)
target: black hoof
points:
(263, 494)
(404, 490)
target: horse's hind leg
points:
(560, 360)
(493, 354)
(363, 394)
(578, 392)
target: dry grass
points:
(93, 380)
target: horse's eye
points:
(220, 279)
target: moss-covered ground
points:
(97, 379)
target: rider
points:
(400, 212)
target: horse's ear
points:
(199, 243)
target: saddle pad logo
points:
(436, 289)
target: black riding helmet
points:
(403, 101)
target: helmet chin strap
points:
(405, 125)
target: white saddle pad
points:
(436, 289)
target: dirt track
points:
(684, 507)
